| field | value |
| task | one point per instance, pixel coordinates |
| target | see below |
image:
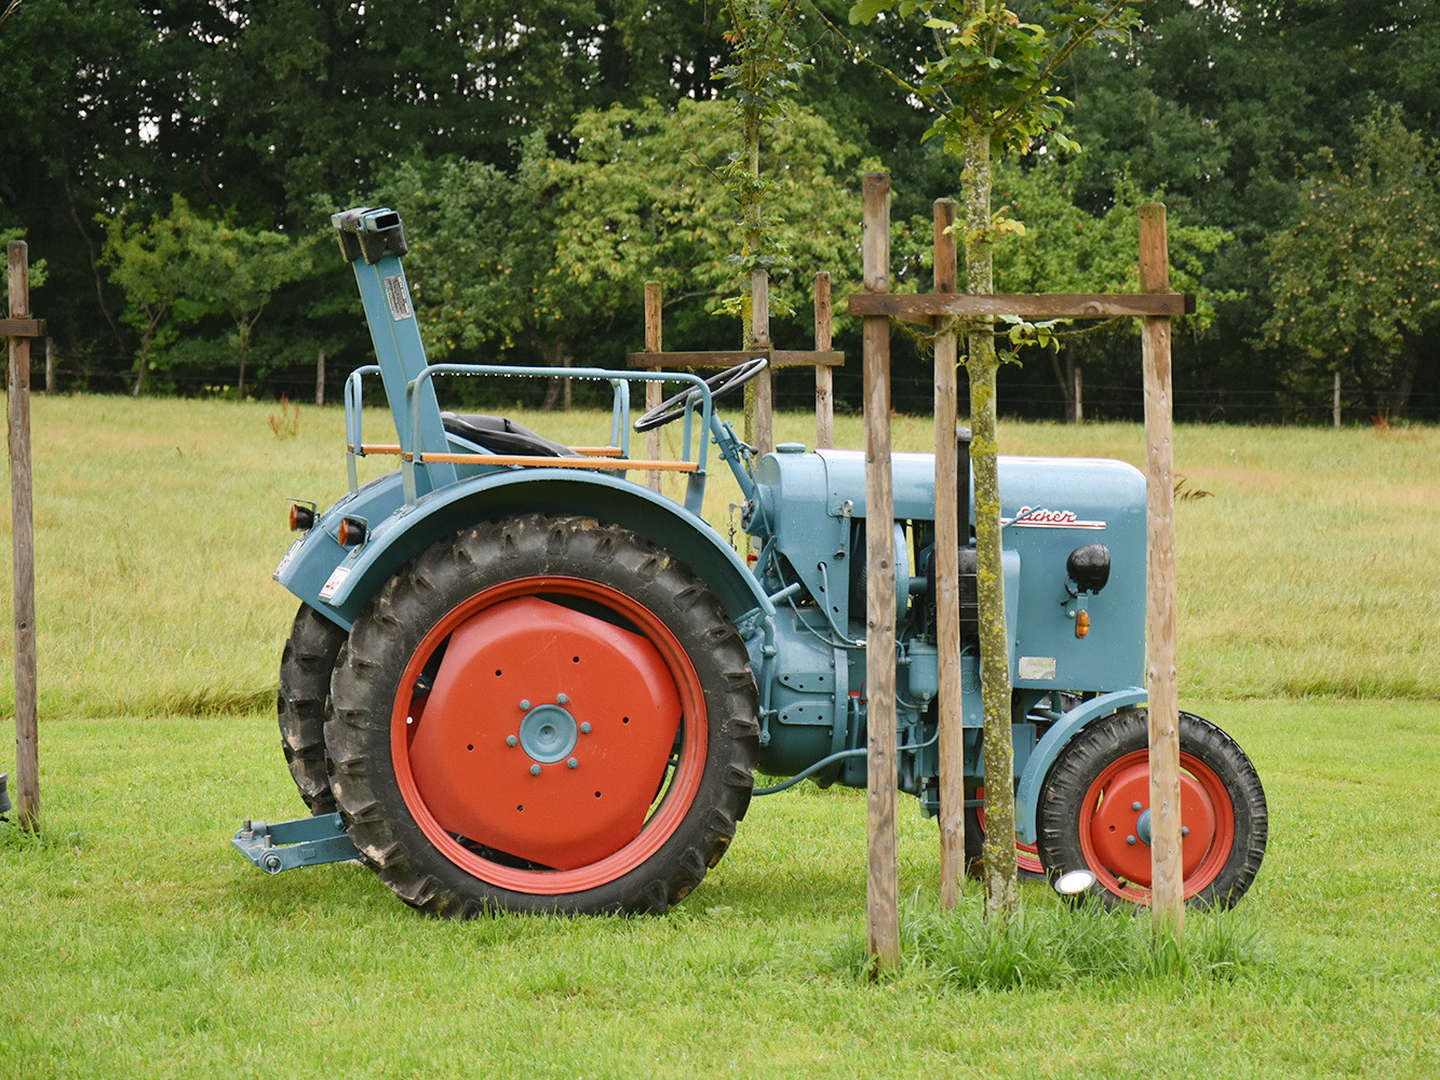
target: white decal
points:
(1040, 517)
(285, 561)
(1037, 667)
(334, 581)
(399, 298)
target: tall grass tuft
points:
(1051, 945)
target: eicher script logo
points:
(1041, 517)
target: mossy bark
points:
(1002, 885)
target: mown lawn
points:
(136, 942)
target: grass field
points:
(137, 943)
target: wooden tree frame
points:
(1156, 305)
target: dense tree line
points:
(175, 166)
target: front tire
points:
(1093, 811)
(543, 714)
(305, 669)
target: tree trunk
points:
(552, 386)
(1002, 885)
(1409, 368)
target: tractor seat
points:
(500, 435)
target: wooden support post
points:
(948, 540)
(1167, 876)
(653, 390)
(764, 382)
(22, 522)
(824, 378)
(320, 377)
(1335, 407)
(882, 881)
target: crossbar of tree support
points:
(924, 307)
(22, 328)
(719, 359)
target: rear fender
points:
(1027, 794)
(350, 579)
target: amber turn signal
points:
(350, 532)
(302, 518)
(1082, 623)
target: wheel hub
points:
(549, 733)
(1119, 830)
(562, 783)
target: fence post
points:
(320, 377)
(653, 395)
(1167, 886)
(882, 879)
(947, 572)
(49, 364)
(1335, 407)
(22, 520)
(824, 377)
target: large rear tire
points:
(544, 713)
(1094, 811)
(305, 669)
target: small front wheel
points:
(544, 713)
(1094, 811)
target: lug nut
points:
(573, 763)
(562, 699)
(511, 740)
(1135, 806)
(534, 770)
(1130, 840)
(525, 704)
(585, 728)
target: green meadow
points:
(136, 942)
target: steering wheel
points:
(674, 407)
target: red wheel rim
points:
(1115, 812)
(1027, 856)
(456, 739)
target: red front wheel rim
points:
(461, 752)
(1114, 816)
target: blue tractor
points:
(522, 679)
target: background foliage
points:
(548, 158)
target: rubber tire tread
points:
(383, 639)
(306, 665)
(1106, 739)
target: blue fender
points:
(339, 583)
(1027, 794)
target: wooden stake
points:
(1335, 408)
(22, 521)
(1167, 887)
(49, 364)
(320, 377)
(764, 382)
(882, 881)
(824, 378)
(947, 575)
(653, 395)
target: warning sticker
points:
(334, 581)
(399, 298)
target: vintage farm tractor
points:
(519, 678)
